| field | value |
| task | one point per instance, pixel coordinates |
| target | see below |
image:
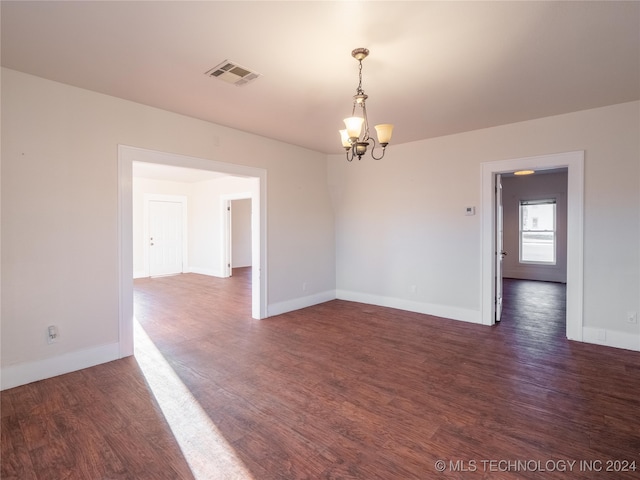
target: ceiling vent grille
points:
(233, 73)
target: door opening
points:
(574, 163)
(126, 158)
(237, 249)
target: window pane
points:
(538, 217)
(538, 247)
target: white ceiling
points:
(435, 68)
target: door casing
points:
(574, 163)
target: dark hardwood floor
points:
(340, 390)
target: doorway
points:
(574, 163)
(237, 232)
(126, 157)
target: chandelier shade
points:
(354, 126)
(384, 132)
(355, 137)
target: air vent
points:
(231, 72)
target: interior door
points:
(165, 237)
(500, 253)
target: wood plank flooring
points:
(340, 390)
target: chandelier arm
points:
(352, 156)
(373, 149)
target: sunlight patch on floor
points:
(203, 446)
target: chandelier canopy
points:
(355, 137)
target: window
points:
(538, 231)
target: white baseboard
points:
(206, 271)
(140, 274)
(23, 373)
(302, 302)
(611, 338)
(445, 311)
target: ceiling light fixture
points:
(355, 138)
(524, 172)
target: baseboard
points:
(206, 271)
(611, 338)
(140, 274)
(445, 311)
(301, 302)
(23, 373)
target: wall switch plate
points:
(632, 317)
(468, 211)
(52, 334)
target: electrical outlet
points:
(632, 317)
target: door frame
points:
(126, 156)
(499, 248)
(227, 215)
(574, 163)
(146, 251)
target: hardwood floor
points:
(340, 390)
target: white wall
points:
(241, 233)
(60, 217)
(208, 205)
(534, 187)
(400, 221)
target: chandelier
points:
(355, 138)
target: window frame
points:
(531, 202)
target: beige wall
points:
(403, 237)
(60, 214)
(396, 229)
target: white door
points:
(500, 253)
(165, 237)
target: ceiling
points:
(435, 68)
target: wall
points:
(207, 239)
(403, 238)
(534, 187)
(60, 217)
(241, 233)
